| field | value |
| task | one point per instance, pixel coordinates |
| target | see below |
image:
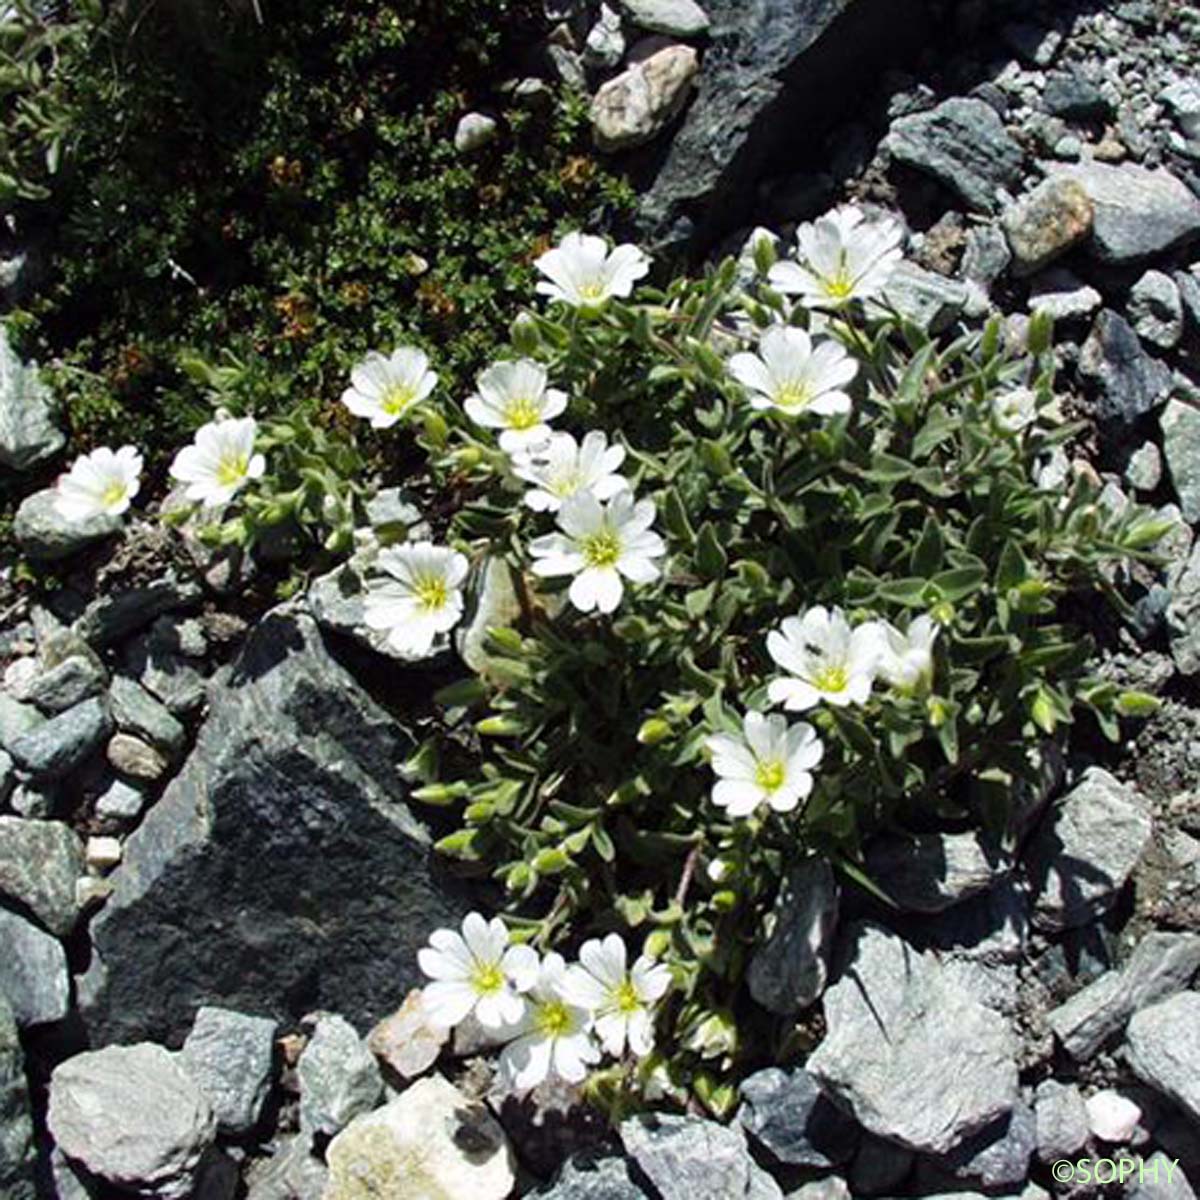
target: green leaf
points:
(930, 548)
(675, 517)
(711, 558)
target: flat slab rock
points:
(929, 873)
(910, 1052)
(1164, 1049)
(282, 870)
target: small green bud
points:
(461, 693)
(519, 877)
(937, 710)
(943, 613)
(467, 457)
(765, 254)
(463, 844)
(657, 943)
(1137, 704)
(480, 812)
(505, 639)
(654, 731)
(501, 726)
(440, 794)
(526, 339)
(725, 901)
(550, 862)
(436, 429)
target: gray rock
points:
(29, 432)
(931, 872)
(406, 1041)
(294, 1172)
(230, 1055)
(39, 863)
(1183, 612)
(1079, 859)
(339, 1078)
(1162, 964)
(930, 301)
(998, 1155)
(138, 759)
(637, 105)
(16, 719)
(1156, 310)
(137, 712)
(1144, 470)
(1139, 213)
(56, 747)
(16, 1126)
(1183, 99)
(42, 533)
(1074, 98)
(1062, 1122)
(686, 1157)
(120, 801)
(115, 614)
(474, 131)
(8, 776)
(1164, 1051)
(33, 972)
(675, 18)
(1044, 225)
(67, 683)
(131, 1116)
(879, 1167)
(1188, 284)
(583, 1178)
(282, 867)
(1063, 297)
(916, 1058)
(493, 602)
(963, 144)
(789, 970)
(788, 1115)
(991, 927)
(605, 44)
(1160, 1178)
(1181, 447)
(986, 256)
(158, 662)
(1127, 382)
(832, 1187)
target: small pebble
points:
(103, 853)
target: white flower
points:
(842, 257)
(513, 397)
(770, 763)
(582, 272)
(789, 374)
(422, 598)
(600, 544)
(825, 660)
(907, 661)
(477, 972)
(384, 389)
(220, 461)
(1015, 410)
(621, 1000)
(562, 467)
(100, 484)
(553, 1037)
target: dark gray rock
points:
(43, 534)
(282, 870)
(916, 1058)
(1062, 1122)
(686, 1157)
(931, 872)
(33, 972)
(789, 971)
(1139, 213)
(1164, 1051)
(67, 683)
(159, 662)
(788, 1115)
(1156, 310)
(29, 432)
(1188, 283)
(57, 746)
(116, 614)
(998, 1155)
(1073, 98)
(1079, 859)
(16, 1126)
(769, 68)
(16, 719)
(879, 1167)
(1181, 446)
(963, 144)
(986, 256)
(1126, 381)
(991, 927)
(230, 1056)
(1160, 1177)
(39, 863)
(137, 712)
(585, 1178)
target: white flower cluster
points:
(553, 1018)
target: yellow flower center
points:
(840, 286)
(522, 413)
(831, 679)
(113, 494)
(601, 549)
(592, 290)
(793, 395)
(487, 979)
(232, 469)
(625, 998)
(566, 485)
(431, 593)
(770, 774)
(396, 399)
(553, 1018)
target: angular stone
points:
(282, 869)
(33, 972)
(132, 1117)
(1163, 964)
(797, 1125)
(1074, 98)
(1063, 297)
(1181, 446)
(674, 18)
(686, 1157)
(230, 1055)
(930, 301)
(339, 1079)
(133, 757)
(66, 684)
(991, 927)
(1144, 470)
(16, 1126)
(583, 1178)
(999, 1155)
(159, 663)
(1183, 612)
(137, 712)
(1128, 383)
(474, 131)
(640, 103)
(1079, 859)
(1164, 1051)
(605, 44)
(1139, 213)
(29, 432)
(39, 863)
(120, 611)
(16, 719)
(1051, 220)
(406, 1041)
(120, 801)
(789, 970)
(1062, 1122)
(1112, 1117)
(1160, 1178)
(293, 1173)
(1156, 310)
(42, 533)
(928, 873)
(963, 144)
(915, 1057)
(56, 747)
(430, 1142)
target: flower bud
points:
(654, 731)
